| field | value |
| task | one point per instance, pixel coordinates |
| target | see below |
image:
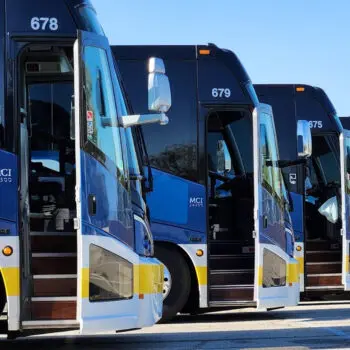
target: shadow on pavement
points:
(300, 313)
(296, 338)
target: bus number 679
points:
(221, 92)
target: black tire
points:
(181, 280)
(2, 296)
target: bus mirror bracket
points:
(304, 139)
(128, 121)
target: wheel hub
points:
(166, 283)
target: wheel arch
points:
(193, 300)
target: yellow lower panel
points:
(301, 264)
(346, 263)
(260, 276)
(202, 275)
(293, 273)
(11, 280)
(150, 278)
(85, 279)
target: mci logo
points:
(5, 175)
(196, 202)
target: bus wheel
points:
(177, 281)
(2, 296)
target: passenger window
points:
(324, 156)
(133, 162)
(271, 173)
(101, 106)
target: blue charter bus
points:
(76, 246)
(219, 207)
(322, 244)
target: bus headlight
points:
(143, 237)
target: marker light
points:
(204, 52)
(299, 248)
(300, 89)
(199, 252)
(7, 251)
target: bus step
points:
(232, 277)
(324, 279)
(57, 308)
(324, 256)
(324, 288)
(51, 324)
(323, 267)
(232, 303)
(231, 293)
(230, 247)
(322, 245)
(54, 265)
(55, 285)
(231, 262)
(53, 243)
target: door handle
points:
(265, 221)
(92, 204)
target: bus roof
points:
(310, 103)
(23, 18)
(293, 102)
(183, 52)
(209, 66)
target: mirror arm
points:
(142, 119)
(136, 177)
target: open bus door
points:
(345, 204)
(274, 285)
(106, 299)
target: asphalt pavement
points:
(309, 326)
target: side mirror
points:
(159, 95)
(223, 156)
(304, 139)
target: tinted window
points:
(90, 21)
(171, 148)
(271, 174)
(347, 166)
(50, 116)
(325, 149)
(2, 79)
(242, 131)
(50, 113)
(131, 151)
(101, 110)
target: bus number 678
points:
(43, 23)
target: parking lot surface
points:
(309, 326)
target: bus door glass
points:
(271, 258)
(106, 260)
(345, 211)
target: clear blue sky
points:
(278, 41)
